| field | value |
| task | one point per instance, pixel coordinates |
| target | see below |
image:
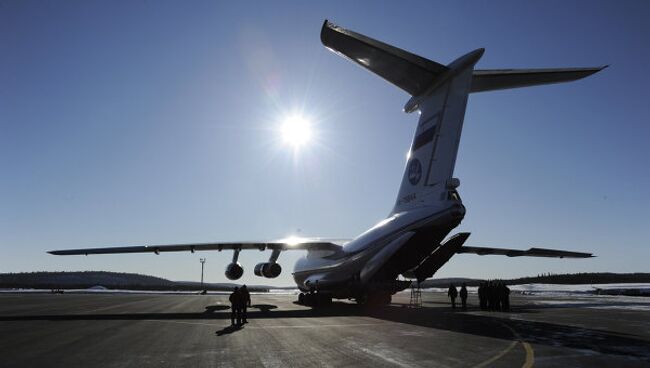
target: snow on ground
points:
(579, 296)
(554, 289)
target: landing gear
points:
(315, 299)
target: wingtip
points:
(599, 69)
(323, 31)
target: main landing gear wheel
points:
(315, 299)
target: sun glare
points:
(296, 131)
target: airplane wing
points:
(408, 71)
(532, 252)
(490, 80)
(289, 244)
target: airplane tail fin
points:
(440, 93)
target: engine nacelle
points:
(234, 271)
(269, 270)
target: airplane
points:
(411, 241)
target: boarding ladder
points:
(416, 296)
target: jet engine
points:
(269, 270)
(234, 271)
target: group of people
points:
(452, 293)
(240, 300)
(492, 295)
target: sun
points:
(296, 131)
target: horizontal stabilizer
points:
(490, 80)
(532, 252)
(408, 71)
(303, 244)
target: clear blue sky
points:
(133, 122)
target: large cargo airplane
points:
(411, 240)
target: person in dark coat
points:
(482, 296)
(499, 296)
(463, 296)
(245, 302)
(491, 296)
(505, 303)
(235, 306)
(452, 293)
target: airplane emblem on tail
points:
(415, 171)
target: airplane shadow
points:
(490, 324)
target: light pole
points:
(202, 260)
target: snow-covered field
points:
(552, 289)
(560, 290)
(583, 296)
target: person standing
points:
(506, 298)
(492, 303)
(235, 309)
(498, 295)
(481, 296)
(245, 302)
(452, 293)
(463, 296)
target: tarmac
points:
(150, 330)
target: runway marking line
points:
(498, 356)
(530, 353)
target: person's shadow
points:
(264, 308)
(229, 329)
(214, 308)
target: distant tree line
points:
(584, 278)
(548, 278)
(109, 280)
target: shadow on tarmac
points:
(495, 325)
(264, 308)
(228, 330)
(214, 308)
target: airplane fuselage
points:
(377, 256)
